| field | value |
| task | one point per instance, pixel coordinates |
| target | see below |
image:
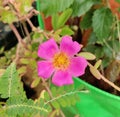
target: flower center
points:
(61, 61)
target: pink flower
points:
(60, 62)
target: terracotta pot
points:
(47, 22)
(115, 7)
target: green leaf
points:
(27, 53)
(36, 35)
(69, 88)
(10, 84)
(62, 102)
(15, 106)
(98, 63)
(68, 101)
(54, 91)
(63, 18)
(35, 82)
(34, 54)
(95, 72)
(115, 45)
(1, 50)
(54, 21)
(66, 31)
(90, 48)
(117, 1)
(86, 22)
(2, 72)
(73, 101)
(80, 7)
(87, 55)
(50, 7)
(92, 39)
(24, 6)
(59, 20)
(22, 70)
(99, 52)
(46, 95)
(102, 22)
(106, 61)
(24, 61)
(55, 104)
(63, 96)
(7, 16)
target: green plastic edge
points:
(95, 101)
(40, 20)
(96, 89)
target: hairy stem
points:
(47, 88)
(19, 38)
(106, 80)
(31, 24)
(26, 32)
(51, 96)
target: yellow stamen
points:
(61, 61)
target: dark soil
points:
(89, 78)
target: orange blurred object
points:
(115, 7)
(48, 24)
(86, 34)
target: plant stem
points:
(106, 80)
(107, 3)
(110, 83)
(47, 88)
(26, 32)
(31, 24)
(108, 46)
(50, 93)
(19, 38)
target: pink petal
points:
(48, 49)
(61, 78)
(77, 66)
(68, 46)
(45, 69)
